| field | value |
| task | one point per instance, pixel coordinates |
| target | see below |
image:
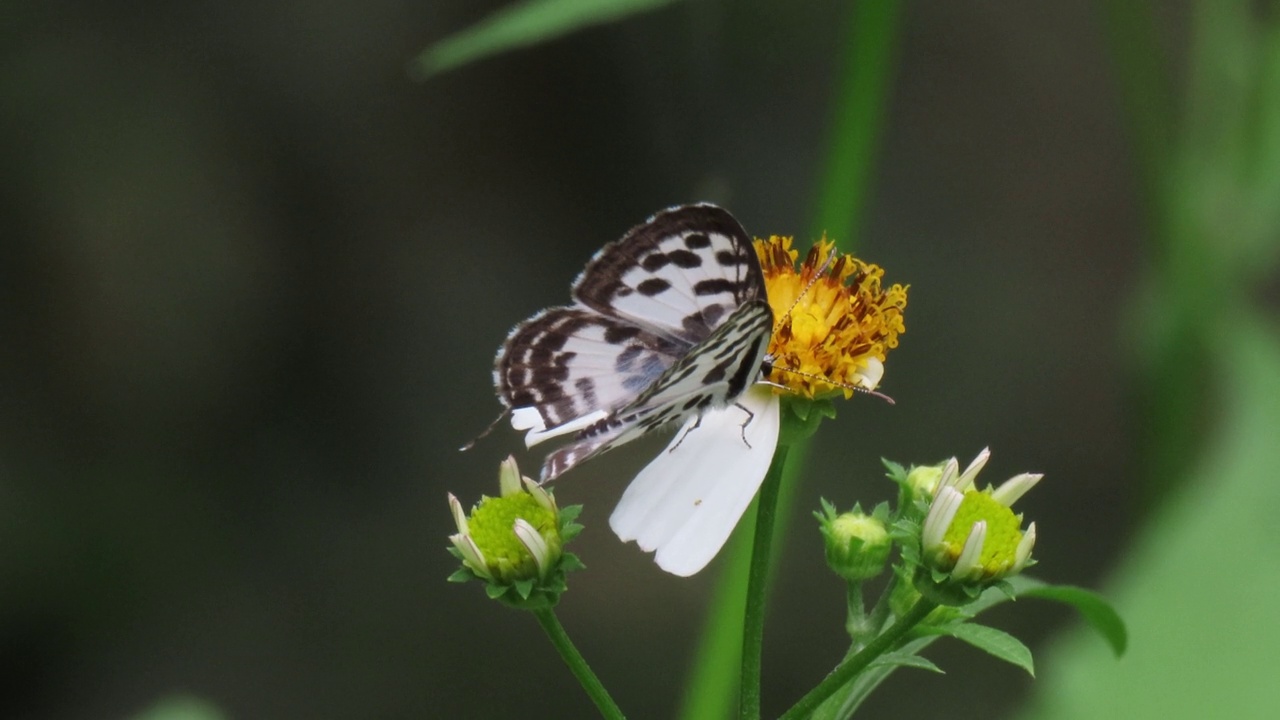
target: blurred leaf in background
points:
(1198, 588)
(522, 24)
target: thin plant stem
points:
(757, 586)
(849, 668)
(577, 664)
(858, 113)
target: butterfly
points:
(670, 324)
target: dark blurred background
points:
(252, 277)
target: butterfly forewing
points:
(680, 273)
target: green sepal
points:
(569, 513)
(802, 416)
(570, 562)
(523, 588)
(894, 471)
(942, 589)
(462, 574)
(495, 591)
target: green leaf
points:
(899, 659)
(1092, 607)
(523, 24)
(996, 642)
(1199, 586)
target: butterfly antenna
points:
(837, 383)
(486, 432)
(826, 264)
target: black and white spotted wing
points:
(669, 321)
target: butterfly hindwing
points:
(569, 362)
(711, 375)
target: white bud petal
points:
(941, 513)
(1015, 487)
(969, 564)
(966, 478)
(1023, 553)
(508, 477)
(459, 516)
(534, 543)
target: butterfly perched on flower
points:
(672, 323)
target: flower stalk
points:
(849, 668)
(577, 664)
(757, 585)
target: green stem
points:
(850, 668)
(757, 584)
(577, 664)
(856, 618)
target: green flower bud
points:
(970, 538)
(857, 545)
(515, 541)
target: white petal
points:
(941, 513)
(528, 418)
(968, 565)
(869, 377)
(1023, 553)
(508, 477)
(1015, 487)
(950, 471)
(687, 501)
(970, 473)
(459, 515)
(534, 543)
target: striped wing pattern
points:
(669, 321)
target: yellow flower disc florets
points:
(835, 327)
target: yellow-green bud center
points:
(1004, 532)
(491, 526)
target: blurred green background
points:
(252, 277)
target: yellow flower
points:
(833, 323)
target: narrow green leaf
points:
(998, 643)
(899, 659)
(1095, 610)
(523, 24)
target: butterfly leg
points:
(750, 416)
(696, 424)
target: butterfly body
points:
(670, 321)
